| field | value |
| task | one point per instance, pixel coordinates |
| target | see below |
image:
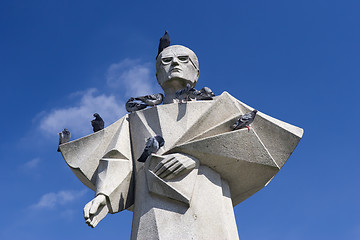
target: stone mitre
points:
(247, 160)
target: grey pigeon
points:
(184, 93)
(204, 94)
(97, 123)
(207, 91)
(64, 137)
(131, 105)
(244, 121)
(163, 43)
(153, 145)
(151, 100)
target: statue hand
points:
(95, 210)
(172, 166)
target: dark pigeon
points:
(64, 137)
(131, 105)
(151, 100)
(244, 121)
(97, 123)
(163, 43)
(153, 145)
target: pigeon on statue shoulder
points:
(204, 94)
(132, 106)
(151, 100)
(185, 93)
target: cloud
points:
(53, 199)
(77, 118)
(134, 77)
(32, 164)
(125, 78)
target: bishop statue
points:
(186, 190)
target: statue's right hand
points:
(95, 210)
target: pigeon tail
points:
(143, 157)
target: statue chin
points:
(177, 83)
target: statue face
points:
(176, 66)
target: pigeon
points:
(97, 123)
(244, 121)
(184, 93)
(64, 137)
(207, 91)
(204, 94)
(151, 100)
(163, 43)
(132, 106)
(153, 144)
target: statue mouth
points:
(176, 70)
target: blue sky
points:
(298, 61)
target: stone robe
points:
(228, 166)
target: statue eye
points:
(166, 60)
(183, 58)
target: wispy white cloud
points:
(77, 118)
(53, 199)
(128, 77)
(32, 164)
(134, 77)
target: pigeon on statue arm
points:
(244, 121)
(97, 123)
(64, 137)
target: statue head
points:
(175, 67)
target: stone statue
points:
(186, 190)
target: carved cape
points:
(246, 160)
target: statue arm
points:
(114, 190)
(95, 210)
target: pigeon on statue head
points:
(163, 43)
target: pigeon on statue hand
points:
(163, 43)
(153, 145)
(244, 121)
(97, 123)
(64, 137)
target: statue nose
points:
(174, 61)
